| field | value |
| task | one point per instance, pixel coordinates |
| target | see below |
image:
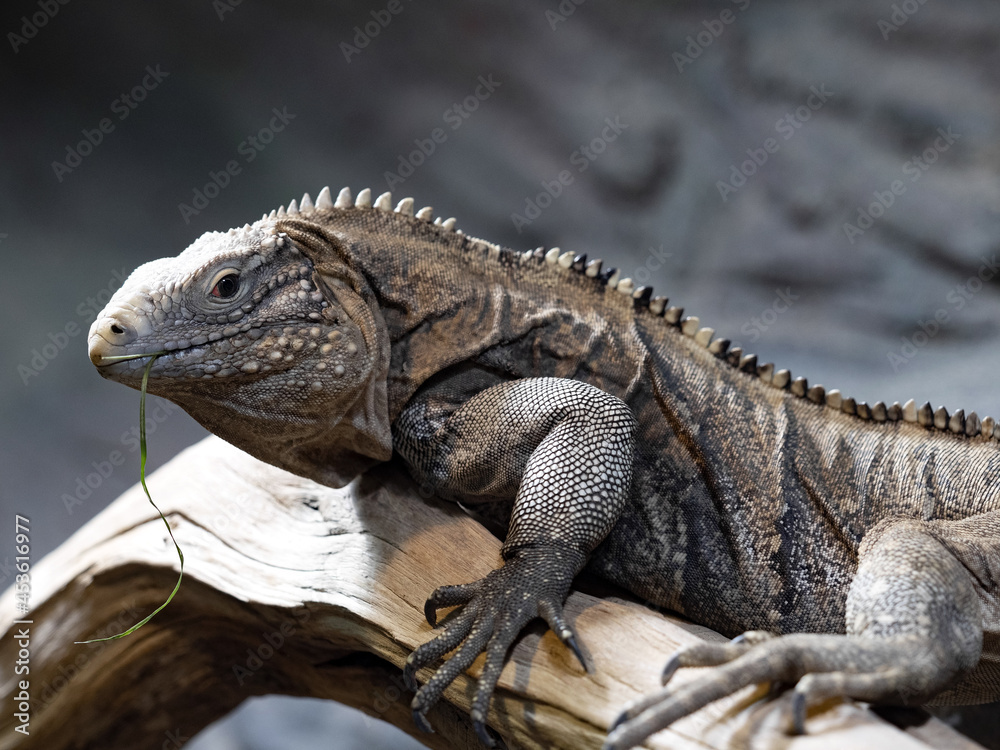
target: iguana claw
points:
(448, 596)
(410, 675)
(479, 724)
(421, 721)
(554, 617)
(570, 641)
(672, 665)
(619, 720)
(798, 713)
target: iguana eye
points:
(227, 286)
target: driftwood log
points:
(299, 589)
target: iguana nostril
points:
(118, 331)
(117, 328)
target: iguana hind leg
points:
(914, 627)
(563, 450)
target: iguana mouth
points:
(110, 360)
(105, 353)
(172, 354)
(166, 365)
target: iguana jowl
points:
(857, 547)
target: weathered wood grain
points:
(299, 589)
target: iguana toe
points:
(448, 596)
(672, 665)
(551, 611)
(420, 720)
(410, 674)
(571, 643)
(799, 713)
(479, 724)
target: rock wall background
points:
(805, 112)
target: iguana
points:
(853, 549)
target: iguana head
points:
(272, 341)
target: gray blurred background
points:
(717, 150)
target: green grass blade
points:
(142, 480)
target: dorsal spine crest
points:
(646, 303)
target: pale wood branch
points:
(299, 589)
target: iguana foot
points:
(533, 582)
(820, 666)
(914, 628)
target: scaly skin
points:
(611, 431)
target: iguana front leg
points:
(915, 623)
(563, 451)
